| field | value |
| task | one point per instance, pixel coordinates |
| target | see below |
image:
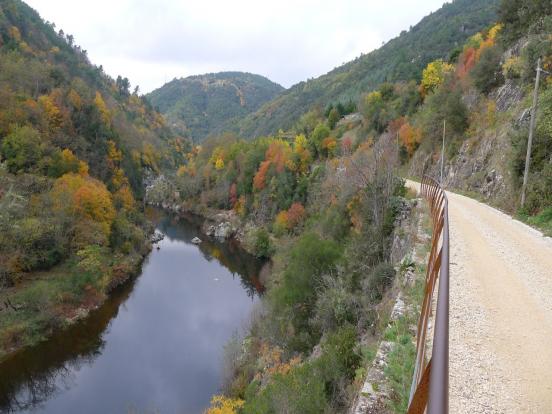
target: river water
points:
(156, 346)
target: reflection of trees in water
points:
(36, 374)
(228, 253)
(33, 376)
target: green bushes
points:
(318, 386)
(22, 149)
(445, 104)
(400, 364)
(301, 391)
(40, 242)
(487, 73)
(310, 258)
(340, 358)
(379, 279)
(262, 246)
(335, 304)
(308, 261)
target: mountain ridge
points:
(200, 105)
(400, 59)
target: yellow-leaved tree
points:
(434, 75)
(224, 405)
(102, 109)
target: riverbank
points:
(221, 225)
(166, 330)
(48, 301)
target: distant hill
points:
(198, 106)
(402, 58)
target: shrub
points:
(339, 353)
(22, 149)
(41, 243)
(125, 234)
(318, 135)
(335, 305)
(301, 391)
(263, 246)
(338, 363)
(310, 258)
(379, 279)
(487, 73)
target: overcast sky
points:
(154, 41)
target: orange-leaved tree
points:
(84, 198)
(410, 137)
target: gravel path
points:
(500, 312)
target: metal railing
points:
(430, 383)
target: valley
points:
(294, 265)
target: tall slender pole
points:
(443, 151)
(531, 128)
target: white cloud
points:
(151, 41)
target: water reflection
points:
(156, 344)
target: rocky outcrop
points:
(507, 95)
(222, 230)
(222, 225)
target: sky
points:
(153, 41)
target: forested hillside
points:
(321, 199)
(74, 146)
(198, 106)
(437, 36)
(313, 182)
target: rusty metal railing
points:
(430, 383)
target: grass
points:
(402, 358)
(400, 362)
(541, 221)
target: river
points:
(157, 344)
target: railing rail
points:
(430, 383)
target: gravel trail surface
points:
(500, 312)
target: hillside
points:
(198, 106)
(438, 35)
(74, 147)
(327, 194)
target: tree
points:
(434, 75)
(487, 73)
(521, 17)
(52, 113)
(123, 86)
(410, 137)
(224, 405)
(64, 162)
(372, 107)
(102, 109)
(333, 117)
(295, 215)
(84, 198)
(22, 149)
(318, 135)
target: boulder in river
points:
(196, 240)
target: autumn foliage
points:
(84, 198)
(224, 405)
(410, 137)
